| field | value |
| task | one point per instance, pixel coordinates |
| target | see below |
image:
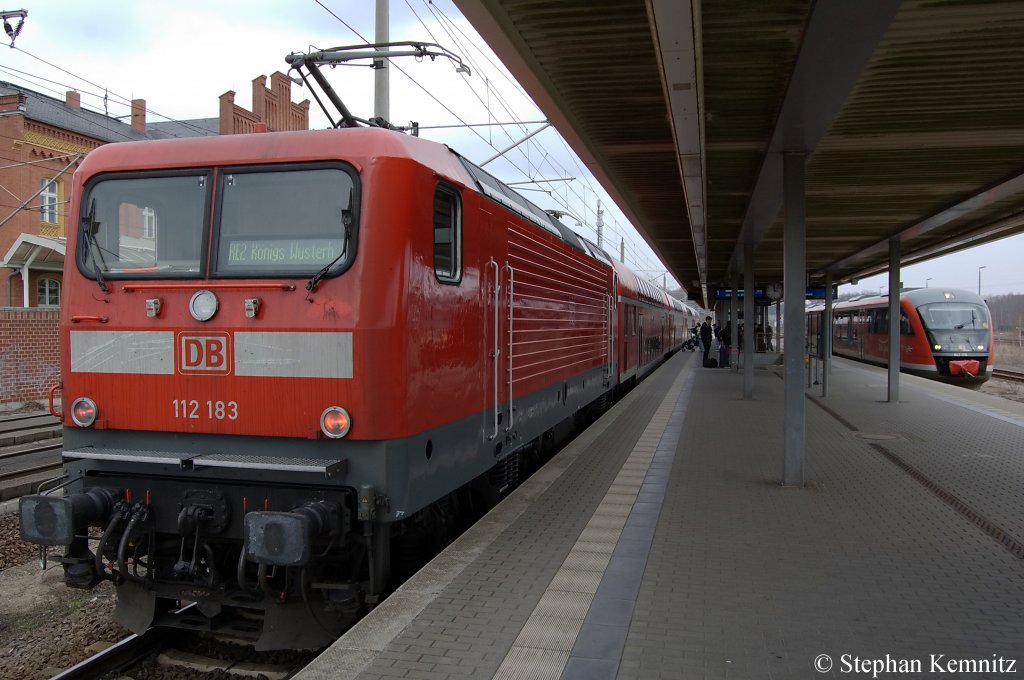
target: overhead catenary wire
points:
(33, 196)
(411, 79)
(504, 104)
(122, 98)
(635, 258)
(104, 123)
(534, 162)
(36, 162)
(446, 21)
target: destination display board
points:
(287, 252)
(811, 293)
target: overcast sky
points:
(181, 56)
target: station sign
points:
(726, 293)
(811, 293)
(818, 293)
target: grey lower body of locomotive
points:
(225, 479)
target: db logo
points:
(207, 354)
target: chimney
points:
(139, 115)
(73, 99)
(227, 113)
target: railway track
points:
(118, 657)
(1005, 374)
(170, 653)
(30, 447)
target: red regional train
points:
(291, 360)
(945, 334)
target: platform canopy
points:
(911, 116)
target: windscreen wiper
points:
(346, 218)
(90, 226)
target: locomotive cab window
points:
(118, 232)
(447, 235)
(280, 221)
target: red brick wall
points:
(29, 354)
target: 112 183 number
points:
(193, 409)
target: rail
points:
(30, 444)
(1006, 374)
(28, 472)
(118, 657)
(185, 652)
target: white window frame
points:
(49, 199)
(44, 289)
(148, 223)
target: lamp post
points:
(927, 280)
(979, 278)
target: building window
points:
(48, 201)
(49, 293)
(148, 223)
(447, 235)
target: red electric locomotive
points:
(289, 357)
(944, 334)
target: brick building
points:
(44, 139)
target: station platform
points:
(660, 544)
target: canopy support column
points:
(894, 320)
(734, 326)
(794, 292)
(826, 336)
(748, 320)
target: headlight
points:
(937, 347)
(981, 347)
(83, 411)
(203, 305)
(335, 422)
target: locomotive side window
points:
(880, 322)
(844, 326)
(143, 225)
(285, 221)
(905, 327)
(447, 235)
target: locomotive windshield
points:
(292, 221)
(144, 225)
(948, 316)
(268, 221)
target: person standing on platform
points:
(768, 337)
(725, 342)
(706, 336)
